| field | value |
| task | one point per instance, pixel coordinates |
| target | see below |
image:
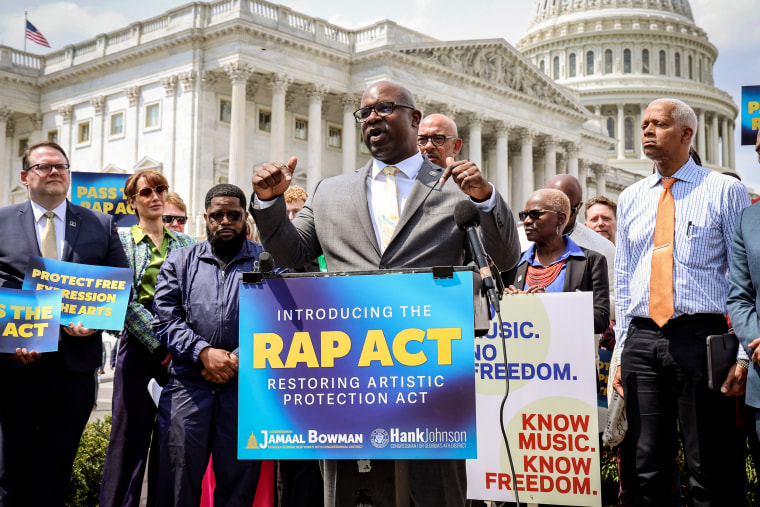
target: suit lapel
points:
(574, 273)
(26, 215)
(427, 179)
(358, 192)
(73, 226)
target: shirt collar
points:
(60, 210)
(139, 235)
(687, 172)
(410, 167)
(571, 250)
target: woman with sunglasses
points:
(141, 357)
(555, 263)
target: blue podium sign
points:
(364, 366)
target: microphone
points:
(467, 218)
(266, 262)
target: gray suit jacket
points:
(336, 222)
(744, 280)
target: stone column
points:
(5, 115)
(132, 125)
(714, 158)
(724, 161)
(620, 132)
(474, 145)
(526, 153)
(701, 146)
(602, 123)
(583, 170)
(550, 158)
(238, 73)
(316, 93)
(731, 155)
(501, 167)
(98, 104)
(37, 134)
(66, 113)
(279, 84)
(573, 150)
(350, 103)
(169, 125)
(601, 179)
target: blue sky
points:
(730, 25)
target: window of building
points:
(590, 63)
(153, 115)
(571, 65)
(23, 144)
(225, 111)
(52, 136)
(691, 67)
(628, 126)
(611, 126)
(117, 124)
(627, 61)
(302, 129)
(677, 61)
(555, 67)
(542, 66)
(265, 120)
(608, 61)
(334, 137)
(83, 132)
(663, 63)
(700, 76)
(645, 61)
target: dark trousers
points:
(665, 380)
(44, 411)
(133, 426)
(299, 483)
(197, 418)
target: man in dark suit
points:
(345, 220)
(47, 398)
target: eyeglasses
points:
(575, 208)
(437, 140)
(534, 214)
(169, 219)
(46, 168)
(148, 191)
(381, 109)
(232, 216)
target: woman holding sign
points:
(141, 357)
(555, 263)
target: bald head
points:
(432, 129)
(571, 187)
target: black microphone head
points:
(466, 214)
(266, 262)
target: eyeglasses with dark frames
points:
(381, 109)
(169, 219)
(148, 191)
(575, 208)
(534, 214)
(217, 217)
(437, 139)
(47, 168)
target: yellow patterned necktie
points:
(661, 306)
(48, 240)
(388, 206)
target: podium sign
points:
(550, 416)
(362, 366)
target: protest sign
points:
(103, 192)
(29, 319)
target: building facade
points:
(208, 91)
(619, 55)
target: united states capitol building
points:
(208, 91)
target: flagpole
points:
(25, 21)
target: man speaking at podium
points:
(395, 212)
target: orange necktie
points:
(661, 281)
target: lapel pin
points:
(72, 223)
(433, 173)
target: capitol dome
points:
(619, 55)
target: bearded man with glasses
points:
(47, 398)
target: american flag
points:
(35, 35)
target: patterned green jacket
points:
(138, 320)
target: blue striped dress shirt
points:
(707, 205)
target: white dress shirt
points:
(40, 221)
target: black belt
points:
(696, 318)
